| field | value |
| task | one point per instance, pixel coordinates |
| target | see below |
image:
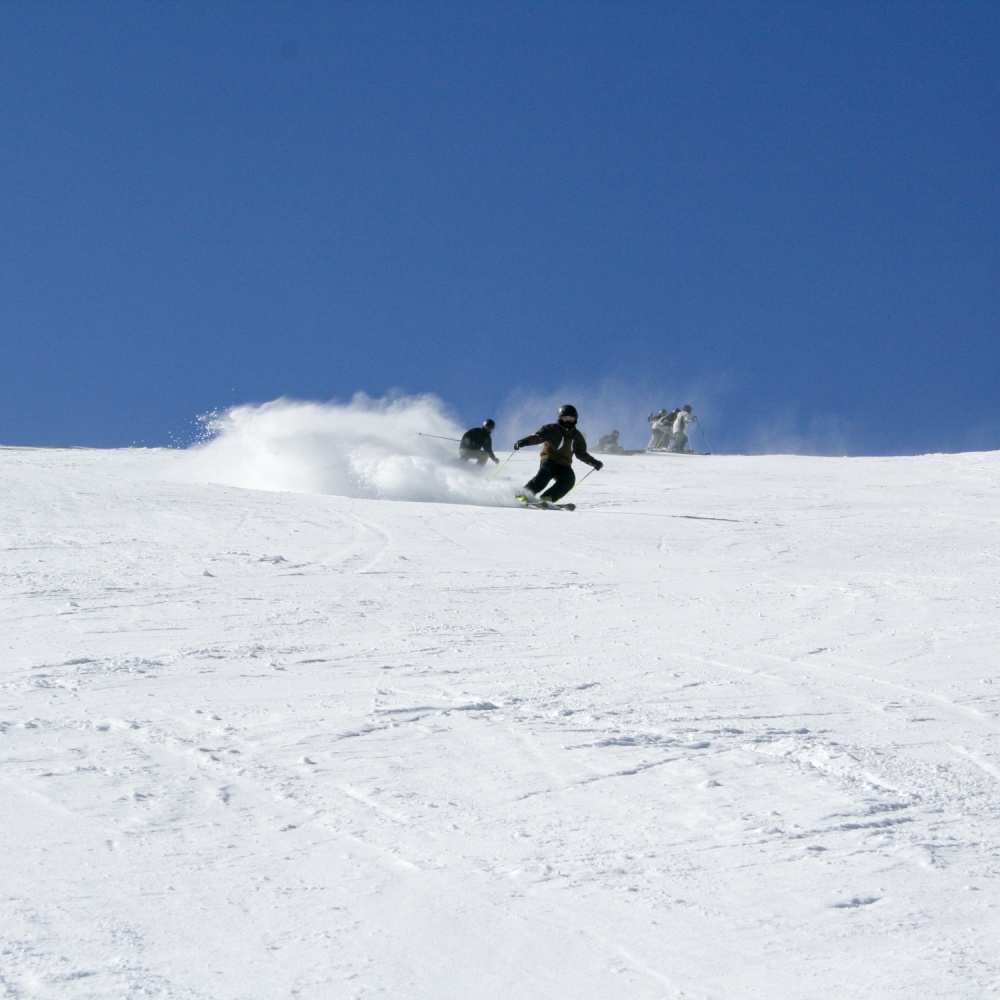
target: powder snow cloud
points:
(390, 449)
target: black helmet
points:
(489, 424)
(568, 411)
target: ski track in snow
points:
(729, 731)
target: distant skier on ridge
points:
(560, 442)
(477, 444)
(609, 444)
(679, 438)
(660, 424)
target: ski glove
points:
(518, 444)
(598, 465)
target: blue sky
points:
(787, 214)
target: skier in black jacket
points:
(477, 444)
(560, 442)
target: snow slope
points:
(728, 731)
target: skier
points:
(609, 444)
(477, 444)
(669, 421)
(560, 442)
(660, 426)
(679, 438)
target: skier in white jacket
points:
(678, 436)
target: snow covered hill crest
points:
(283, 723)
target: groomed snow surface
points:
(728, 731)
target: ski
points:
(545, 504)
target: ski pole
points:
(440, 437)
(580, 480)
(502, 464)
(705, 436)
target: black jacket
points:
(560, 444)
(478, 439)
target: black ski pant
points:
(564, 477)
(479, 457)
